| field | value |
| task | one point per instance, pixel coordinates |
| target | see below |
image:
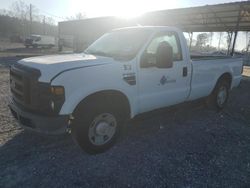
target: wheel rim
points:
(102, 129)
(222, 96)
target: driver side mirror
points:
(164, 55)
(163, 58)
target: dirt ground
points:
(185, 146)
(5, 44)
(21, 51)
(9, 49)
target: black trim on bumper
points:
(44, 124)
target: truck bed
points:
(210, 57)
(208, 69)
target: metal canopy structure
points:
(229, 17)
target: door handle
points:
(184, 71)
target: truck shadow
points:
(26, 143)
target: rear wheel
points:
(218, 99)
(96, 127)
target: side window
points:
(172, 39)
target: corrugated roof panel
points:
(221, 17)
(209, 18)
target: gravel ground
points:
(5, 44)
(185, 146)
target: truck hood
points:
(52, 65)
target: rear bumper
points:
(44, 124)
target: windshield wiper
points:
(121, 56)
(99, 53)
(116, 56)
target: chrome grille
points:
(23, 85)
(19, 86)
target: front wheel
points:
(219, 97)
(95, 130)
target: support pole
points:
(230, 35)
(44, 25)
(235, 37)
(30, 19)
(236, 30)
(190, 41)
(247, 42)
(219, 41)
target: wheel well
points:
(112, 97)
(226, 76)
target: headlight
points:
(57, 97)
(52, 105)
(49, 98)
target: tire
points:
(219, 97)
(96, 127)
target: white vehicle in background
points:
(124, 73)
(40, 41)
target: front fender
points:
(71, 103)
(80, 83)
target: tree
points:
(50, 21)
(202, 39)
(20, 9)
(78, 16)
(228, 38)
(5, 12)
(16, 21)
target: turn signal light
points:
(57, 90)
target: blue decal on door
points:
(163, 80)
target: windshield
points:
(121, 44)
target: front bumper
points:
(45, 124)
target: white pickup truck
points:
(124, 73)
(40, 41)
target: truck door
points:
(160, 87)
